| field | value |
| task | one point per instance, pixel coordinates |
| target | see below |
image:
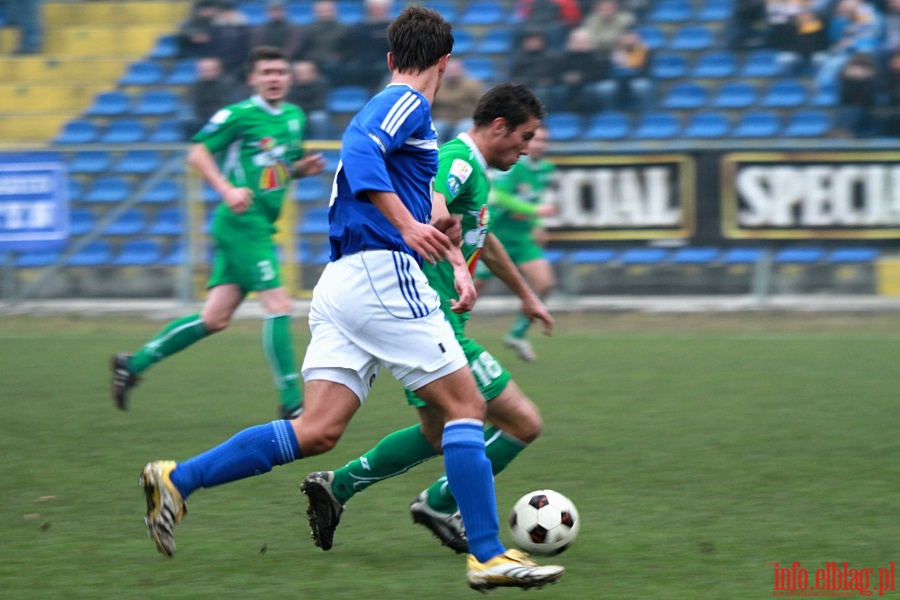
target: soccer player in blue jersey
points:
(373, 307)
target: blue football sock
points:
(472, 484)
(253, 451)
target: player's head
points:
(419, 38)
(506, 119)
(269, 73)
(537, 147)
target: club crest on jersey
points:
(275, 173)
(459, 173)
(475, 236)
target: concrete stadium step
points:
(60, 69)
(127, 42)
(66, 14)
(28, 99)
(31, 130)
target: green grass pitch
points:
(700, 450)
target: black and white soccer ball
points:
(544, 522)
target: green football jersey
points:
(255, 145)
(462, 179)
(518, 192)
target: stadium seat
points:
(138, 162)
(643, 256)
(184, 72)
(108, 189)
(94, 254)
(695, 256)
(81, 221)
(808, 123)
(757, 124)
(168, 221)
(483, 12)
(668, 66)
(498, 40)
(210, 196)
(300, 13)
(311, 189)
(75, 190)
(314, 222)
(39, 258)
(853, 255)
(762, 63)
(124, 131)
(163, 192)
(564, 126)
(825, 97)
(735, 94)
(653, 37)
(332, 158)
(785, 93)
(670, 11)
(447, 9)
(156, 103)
(109, 104)
(90, 162)
(692, 38)
(656, 125)
(166, 47)
(175, 257)
(129, 222)
(608, 126)
(707, 125)
(742, 256)
(463, 42)
(717, 64)
(480, 68)
(716, 10)
(350, 12)
(685, 96)
(591, 256)
(347, 99)
(167, 131)
(79, 131)
(138, 253)
(143, 72)
(255, 12)
(799, 255)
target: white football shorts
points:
(376, 308)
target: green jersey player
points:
(518, 202)
(505, 118)
(259, 144)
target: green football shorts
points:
(521, 249)
(251, 263)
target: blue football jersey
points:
(389, 146)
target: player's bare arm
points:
(443, 220)
(237, 199)
(308, 166)
(496, 259)
(431, 244)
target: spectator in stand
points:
(365, 47)
(855, 27)
(580, 71)
(892, 26)
(26, 16)
(629, 87)
(748, 25)
(892, 118)
(212, 90)
(555, 17)
(535, 66)
(230, 40)
(858, 90)
(195, 34)
(309, 91)
(453, 107)
(278, 32)
(606, 24)
(324, 37)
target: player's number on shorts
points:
(266, 271)
(486, 368)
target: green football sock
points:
(279, 350)
(500, 448)
(394, 454)
(520, 327)
(174, 337)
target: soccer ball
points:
(544, 522)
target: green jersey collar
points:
(272, 110)
(475, 151)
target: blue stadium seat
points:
(108, 189)
(124, 131)
(164, 192)
(184, 72)
(707, 125)
(643, 256)
(142, 72)
(735, 94)
(300, 13)
(656, 125)
(742, 256)
(463, 42)
(38, 258)
(853, 255)
(668, 66)
(685, 96)
(254, 11)
(757, 124)
(498, 40)
(311, 189)
(332, 158)
(716, 64)
(785, 93)
(808, 123)
(653, 37)
(692, 38)
(176, 256)
(350, 12)
(156, 103)
(94, 254)
(554, 255)
(564, 126)
(167, 131)
(210, 196)
(75, 190)
(129, 222)
(347, 99)
(799, 255)
(447, 9)
(480, 68)
(314, 222)
(762, 63)
(591, 256)
(166, 47)
(168, 221)
(826, 96)
(670, 11)
(79, 131)
(81, 221)
(90, 162)
(109, 104)
(138, 162)
(137, 253)
(716, 10)
(608, 126)
(695, 256)
(483, 12)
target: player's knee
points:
(531, 427)
(215, 323)
(319, 443)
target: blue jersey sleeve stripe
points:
(408, 107)
(395, 108)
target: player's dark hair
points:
(511, 101)
(264, 53)
(418, 38)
